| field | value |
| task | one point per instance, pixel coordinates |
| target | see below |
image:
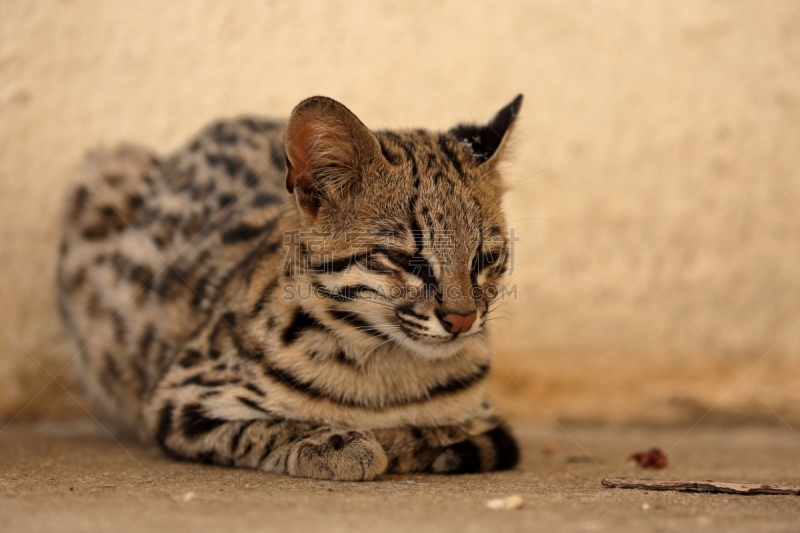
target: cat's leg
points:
(457, 449)
(228, 428)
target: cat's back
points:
(149, 240)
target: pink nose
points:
(459, 323)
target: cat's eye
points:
(401, 259)
(415, 265)
(483, 260)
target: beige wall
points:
(655, 187)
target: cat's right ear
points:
(488, 140)
(326, 147)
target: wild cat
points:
(307, 297)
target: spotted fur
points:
(302, 333)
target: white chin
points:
(434, 350)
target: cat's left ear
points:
(488, 140)
(327, 147)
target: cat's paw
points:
(339, 454)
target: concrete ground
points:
(75, 477)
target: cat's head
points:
(403, 234)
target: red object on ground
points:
(653, 458)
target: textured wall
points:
(654, 189)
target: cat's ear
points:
(326, 148)
(488, 140)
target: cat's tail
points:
(495, 449)
(108, 199)
(449, 449)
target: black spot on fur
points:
(202, 382)
(141, 275)
(247, 448)
(458, 384)
(251, 404)
(229, 318)
(268, 449)
(407, 147)
(76, 281)
(336, 442)
(246, 232)
(134, 201)
(264, 298)
(300, 322)
(225, 199)
(238, 435)
(392, 158)
(201, 288)
(416, 231)
(241, 233)
(357, 322)
(113, 179)
(288, 379)
(251, 179)
(254, 389)
(79, 201)
(190, 358)
(97, 231)
(222, 135)
(256, 126)
(232, 165)
(409, 310)
(341, 357)
(224, 328)
(264, 199)
(171, 284)
(195, 423)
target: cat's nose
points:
(456, 323)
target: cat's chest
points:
(320, 376)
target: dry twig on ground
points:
(699, 486)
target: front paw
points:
(340, 455)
